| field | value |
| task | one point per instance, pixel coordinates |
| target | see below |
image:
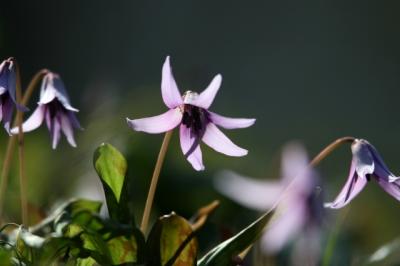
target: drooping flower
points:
(299, 213)
(197, 123)
(366, 165)
(8, 92)
(54, 107)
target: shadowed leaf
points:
(171, 242)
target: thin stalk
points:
(22, 178)
(314, 162)
(154, 181)
(12, 139)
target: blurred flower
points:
(190, 111)
(55, 108)
(366, 164)
(299, 212)
(8, 92)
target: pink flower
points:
(300, 209)
(190, 112)
(366, 165)
(8, 92)
(55, 108)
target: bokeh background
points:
(308, 70)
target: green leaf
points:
(111, 167)
(227, 251)
(86, 262)
(123, 250)
(171, 242)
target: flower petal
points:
(157, 124)
(214, 138)
(205, 99)
(66, 127)
(353, 186)
(286, 225)
(191, 148)
(33, 122)
(393, 188)
(7, 112)
(55, 132)
(252, 193)
(230, 123)
(363, 159)
(169, 90)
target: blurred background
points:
(308, 70)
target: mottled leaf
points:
(171, 242)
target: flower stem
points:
(154, 181)
(22, 178)
(12, 139)
(314, 162)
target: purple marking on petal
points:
(205, 99)
(392, 188)
(230, 123)
(66, 127)
(169, 90)
(33, 122)
(157, 124)
(187, 141)
(56, 134)
(252, 193)
(353, 186)
(214, 138)
(7, 109)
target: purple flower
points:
(8, 92)
(55, 108)
(366, 165)
(190, 112)
(299, 213)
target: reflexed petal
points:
(55, 132)
(66, 127)
(214, 138)
(157, 124)
(169, 90)
(230, 123)
(249, 192)
(74, 121)
(288, 223)
(353, 186)
(33, 122)
(191, 148)
(206, 98)
(380, 167)
(393, 188)
(7, 110)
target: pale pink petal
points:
(353, 186)
(230, 123)
(214, 138)
(66, 127)
(33, 122)
(55, 132)
(169, 90)
(157, 124)
(191, 148)
(252, 193)
(392, 188)
(205, 99)
(284, 227)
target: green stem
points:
(12, 139)
(154, 181)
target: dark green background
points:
(307, 70)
